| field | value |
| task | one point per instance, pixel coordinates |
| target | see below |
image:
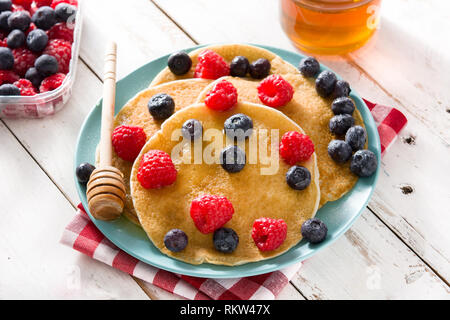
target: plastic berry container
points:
(47, 103)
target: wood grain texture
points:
(33, 262)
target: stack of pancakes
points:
(252, 194)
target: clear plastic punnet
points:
(47, 103)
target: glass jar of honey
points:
(329, 26)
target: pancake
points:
(228, 52)
(135, 113)
(313, 114)
(252, 194)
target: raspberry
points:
(211, 212)
(26, 4)
(223, 96)
(128, 141)
(211, 66)
(23, 60)
(274, 91)
(268, 233)
(61, 31)
(295, 147)
(52, 82)
(3, 43)
(156, 170)
(56, 2)
(42, 3)
(62, 51)
(26, 87)
(7, 76)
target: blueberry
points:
(343, 105)
(34, 76)
(37, 40)
(6, 59)
(179, 63)
(238, 126)
(44, 18)
(309, 67)
(9, 90)
(175, 240)
(260, 68)
(356, 137)
(239, 66)
(298, 178)
(341, 89)
(314, 230)
(5, 5)
(364, 163)
(341, 123)
(233, 159)
(325, 83)
(161, 106)
(64, 11)
(46, 65)
(4, 20)
(15, 39)
(225, 240)
(340, 151)
(192, 129)
(83, 172)
(19, 20)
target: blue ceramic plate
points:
(338, 215)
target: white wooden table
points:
(399, 248)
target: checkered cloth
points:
(82, 235)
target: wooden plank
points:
(418, 218)
(34, 263)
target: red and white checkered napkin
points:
(82, 235)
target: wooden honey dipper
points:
(105, 189)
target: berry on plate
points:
(192, 129)
(46, 65)
(295, 147)
(268, 234)
(298, 178)
(156, 170)
(83, 172)
(364, 163)
(6, 59)
(19, 20)
(161, 106)
(51, 83)
(340, 151)
(274, 91)
(211, 66)
(175, 240)
(325, 83)
(37, 40)
(179, 63)
(211, 212)
(356, 137)
(65, 11)
(341, 89)
(225, 240)
(343, 105)
(34, 76)
(128, 141)
(309, 67)
(238, 127)
(26, 87)
(340, 123)
(260, 68)
(239, 66)
(223, 96)
(314, 230)
(233, 159)
(44, 18)
(15, 39)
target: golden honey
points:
(329, 26)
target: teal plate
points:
(338, 215)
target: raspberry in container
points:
(39, 46)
